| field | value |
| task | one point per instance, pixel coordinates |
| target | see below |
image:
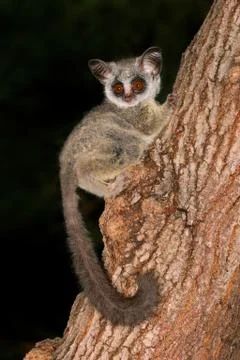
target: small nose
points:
(128, 96)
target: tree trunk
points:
(180, 215)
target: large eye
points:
(138, 85)
(118, 88)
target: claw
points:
(172, 100)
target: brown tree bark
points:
(180, 215)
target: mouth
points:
(128, 99)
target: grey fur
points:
(110, 138)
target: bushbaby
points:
(110, 138)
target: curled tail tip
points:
(143, 303)
(148, 280)
(148, 291)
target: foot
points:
(118, 185)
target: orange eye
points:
(118, 88)
(138, 85)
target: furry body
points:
(109, 139)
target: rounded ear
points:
(151, 60)
(99, 69)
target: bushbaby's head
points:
(130, 81)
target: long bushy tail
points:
(99, 290)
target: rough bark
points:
(179, 216)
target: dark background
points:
(45, 88)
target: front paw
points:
(172, 100)
(118, 185)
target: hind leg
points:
(96, 175)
